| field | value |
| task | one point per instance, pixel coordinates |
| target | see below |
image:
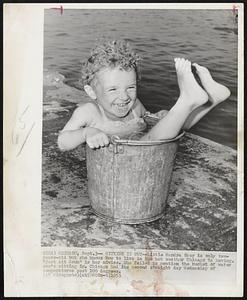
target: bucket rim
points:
(116, 140)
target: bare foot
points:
(216, 91)
(190, 90)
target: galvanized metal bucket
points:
(128, 181)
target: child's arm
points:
(76, 131)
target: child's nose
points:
(124, 95)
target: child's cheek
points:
(110, 97)
(132, 94)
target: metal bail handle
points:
(117, 146)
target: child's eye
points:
(112, 90)
(131, 87)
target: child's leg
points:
(217, 93)
(191, 97)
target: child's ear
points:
(88, 89)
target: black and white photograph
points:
(110, 75)
(123, 149)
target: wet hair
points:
(110, 55)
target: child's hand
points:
(160, 114)
(96, 138)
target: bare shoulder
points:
(82, 116)
(88, 107)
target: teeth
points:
(121, 104)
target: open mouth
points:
(123, 104)
(122, 108)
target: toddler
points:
(110, 78)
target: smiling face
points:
(115, 90)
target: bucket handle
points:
(114, 139)
(115, 145)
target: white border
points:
(23, 57)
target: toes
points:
(178, 63)
(196, 66)
(200, 69)
(188, 64)
(182, 64)
(185, 65)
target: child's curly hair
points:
(110, 54)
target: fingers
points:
(161, 113)
(98, 140)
